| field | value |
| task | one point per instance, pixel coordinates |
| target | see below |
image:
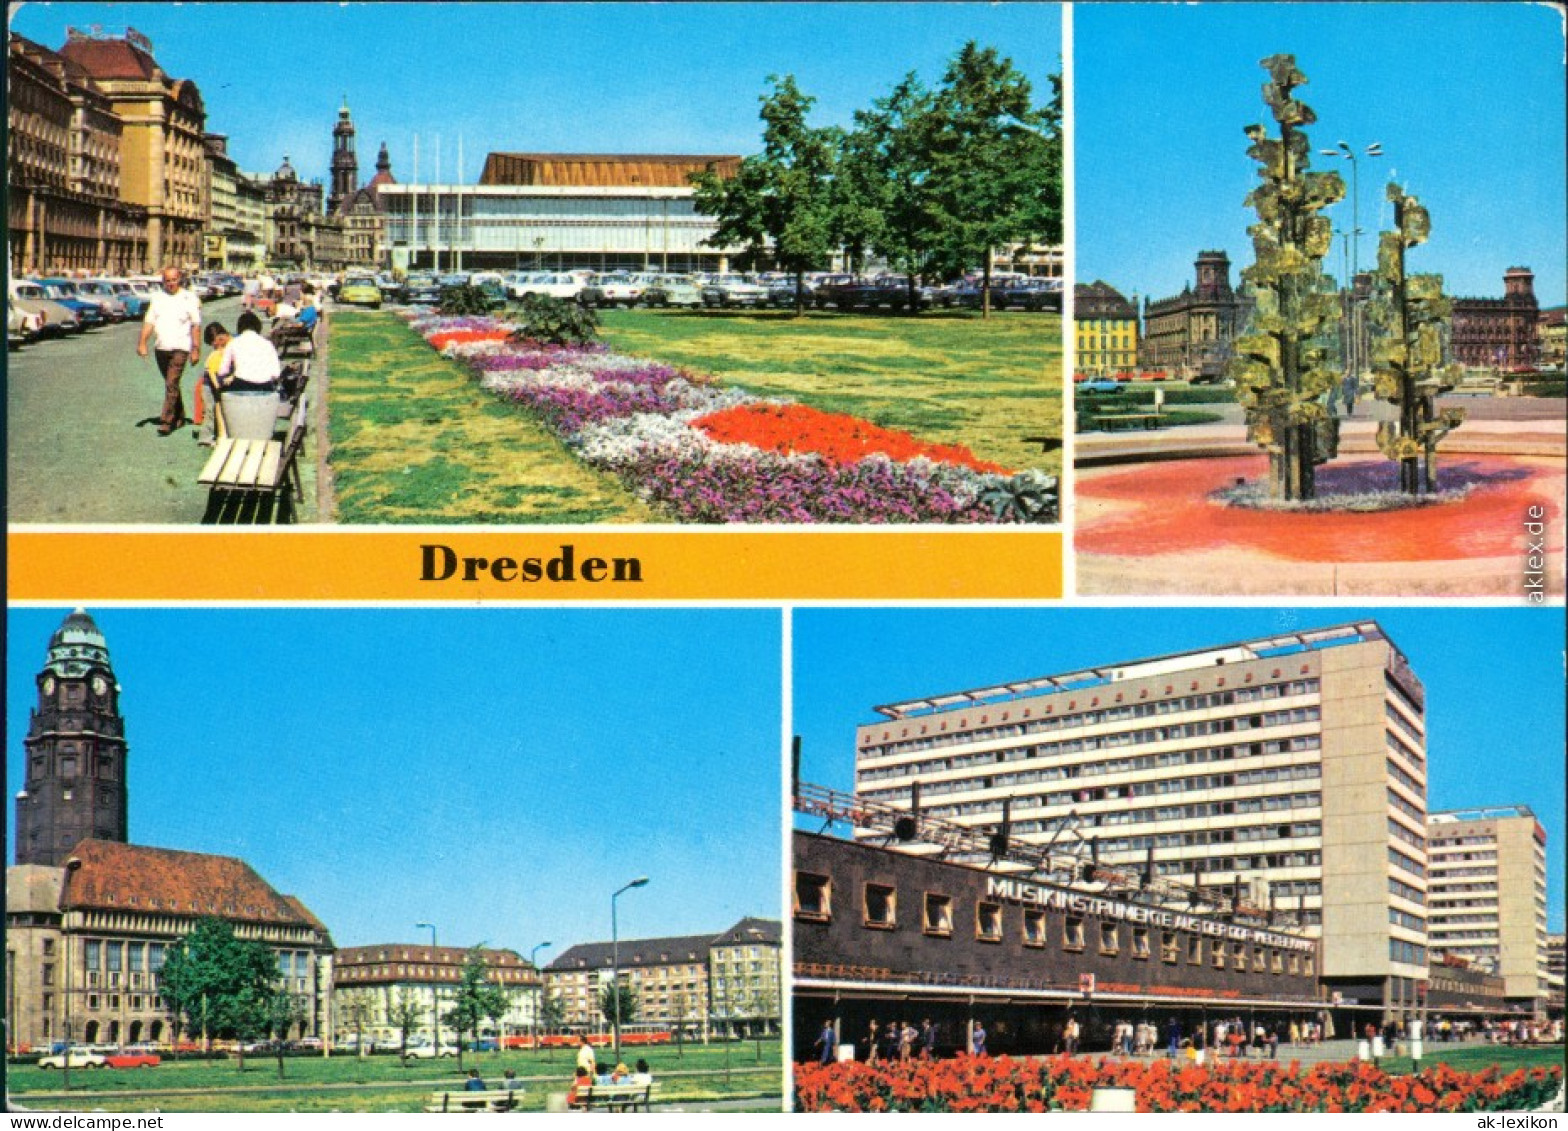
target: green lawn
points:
(948, 376)
(1474, 1057)
(415, 440)
(382, 1083)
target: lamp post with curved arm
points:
(615, 965)
(435, 990)
(533, 960)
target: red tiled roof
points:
(110, 58)
(134, 877)
(416, 952)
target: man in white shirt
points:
(250, 362)
(174, 318)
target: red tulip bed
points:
(1066, 1084)
(709, 453)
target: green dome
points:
(76, 645)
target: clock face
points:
(100, 685)
(48, 685)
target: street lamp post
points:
(71, 867)
(435, 991)
(615, 965)
(539, 1001)
(1353, 361)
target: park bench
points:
(295, 340)
(461, 1101)
(616, 1097)
(1111, 421)
(291, 386)
(245, 471)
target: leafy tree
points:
(780, 203)
(1281, 366)
(405, 1012)
(219, 983)
(995, 162)
(629, 1005)
(283, 1011)
(475, 999)
(1411, 312)
(885, 201)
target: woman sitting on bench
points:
(248, 382)
(580, 1083)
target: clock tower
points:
(75, 750)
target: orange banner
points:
(588, 564)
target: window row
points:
(939, 919)
(1087, 718)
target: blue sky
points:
(1494, 680)
(1466, 99)
(596, 78)
(498, 773)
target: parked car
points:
(79, 1058)
(360, 290)
(733, 290)
(428, 1051)
(30, 296)
(1094, 386)
(129, 1059)
(552, 284)
(135, 301)
(422, 290)
(619, 289)
(22, 326)
(673, 290)
(63, 291)
(101, 291)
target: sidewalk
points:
(81, 449)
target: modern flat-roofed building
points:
(557, 211)
(1286, 774)
(1487, 894)
(885, 936)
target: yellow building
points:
(162, 155)
(1106, 327)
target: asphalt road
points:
(82, 433)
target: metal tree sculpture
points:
(1280, 366)
(1411, 314)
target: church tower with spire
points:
(75, 750)
(345, 164)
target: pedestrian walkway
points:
(82, 435)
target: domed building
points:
(90, 917)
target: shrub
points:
(556, 321)
(463, 300)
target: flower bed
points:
(1066, 1084)
(712, 454)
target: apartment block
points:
(1284, 775)
(1487, 894)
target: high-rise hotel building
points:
(1487, 895)
(1288, 773)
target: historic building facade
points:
(90, 918)
(162, 156)
(730, 982)
(1106, 327)
(372, 983)
(1498, 333)
(64, 170)
(1286, 773)
(1189, 335)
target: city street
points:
(83, 443)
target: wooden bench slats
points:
(229, 472)
(215, 462)
(466, 1101)
(251, 465)
(271, 464)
